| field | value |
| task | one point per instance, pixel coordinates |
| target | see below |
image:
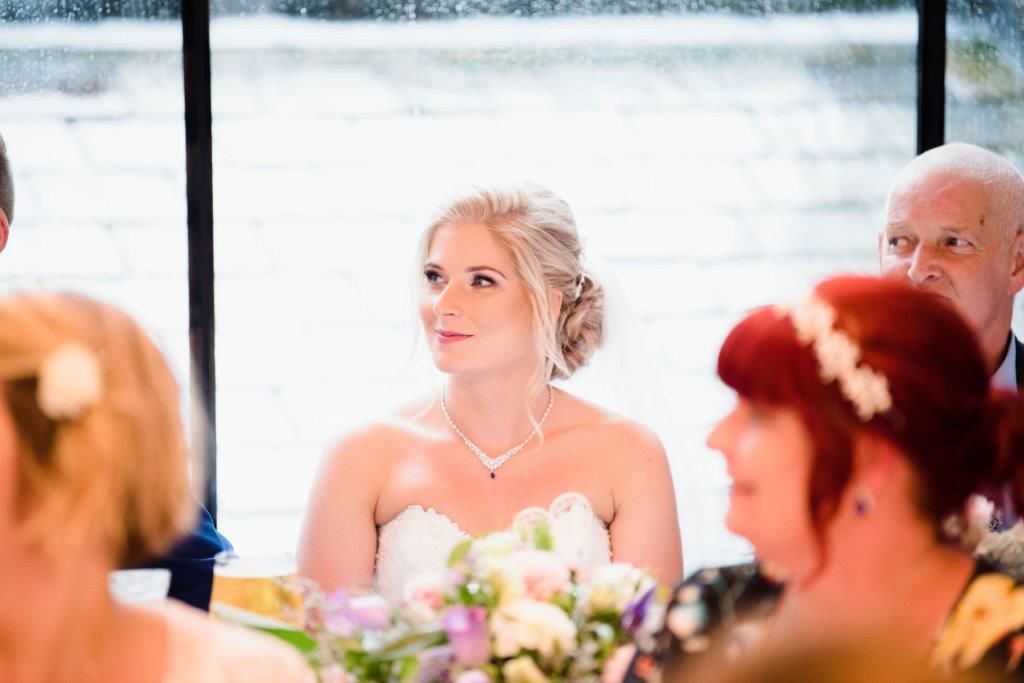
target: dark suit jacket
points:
(1020, 363)
(1006, 510)
(191, 562)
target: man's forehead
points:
(938, 194)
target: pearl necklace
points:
(487, 461)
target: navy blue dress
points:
(191, 562)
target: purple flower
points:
(370, 611)
(337, 615)
(433, 663)
(344, 615)
(636, 612)
(467, 632)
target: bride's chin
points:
(732, 523)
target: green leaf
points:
(409, 645)
(459, 552)
(298, 639)
(542, 537)
(408, 670)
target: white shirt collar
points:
(1006, 375)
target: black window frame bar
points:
(931, 74)
(195, 33)
(195, 23)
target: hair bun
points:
(581, 333)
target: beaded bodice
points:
(419, 540)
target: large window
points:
(985, 75)
(715, 160)
(718, 155)
(91, 111)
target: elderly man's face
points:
(938, 235)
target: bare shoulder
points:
(615, 433)
(200, 647)
(372, 437)
(397, 429)
(374, 446)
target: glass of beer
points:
(257, 589)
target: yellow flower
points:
(991, 608)
(523, 670)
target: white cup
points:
(139, 586)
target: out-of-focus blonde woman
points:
(93, 476)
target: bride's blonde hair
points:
(539, 231)
(117, 469)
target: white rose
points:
(532, 625)
(498, 544)
(614, 586)
(531, 573)
(490, 552)
(70, 381)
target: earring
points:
(863, 501)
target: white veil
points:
(626, 376)
(622, 375)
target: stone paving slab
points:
(273, 353)
(642, 235)
(816, 231)
(58, 252)
(252, 418)
(43, 145)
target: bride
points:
(506, 308)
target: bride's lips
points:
(450, 337)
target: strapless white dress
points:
(419, 540)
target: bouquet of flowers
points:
(507, 609)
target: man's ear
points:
(881, 236)
(5, 230)
(1017, 264)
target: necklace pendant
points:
(487, 461)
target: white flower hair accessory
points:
(578, 292)
(838, 357)
(70, 381)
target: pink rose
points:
(615, 667)
(543, 574)
(426, 590)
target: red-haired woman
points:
(863, 420)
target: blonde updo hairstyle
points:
(539, 231)
(115, 473)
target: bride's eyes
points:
(434, 277)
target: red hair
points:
(957, 434)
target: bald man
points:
(6, 195)
(955, 226)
